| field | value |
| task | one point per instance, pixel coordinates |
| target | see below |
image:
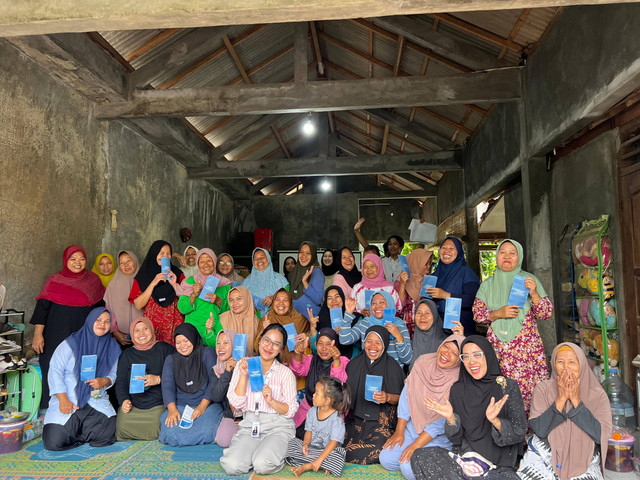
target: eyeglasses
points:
(225, 263)
(267, 341)
(466, 358)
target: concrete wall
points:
(514, 214)
(62, 172)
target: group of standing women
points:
(428, 427)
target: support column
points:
(473, 252)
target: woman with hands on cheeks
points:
(186, 380)
(571, 421)
(139, 414)
(334, 297)
(155, 292)
(264, 433)
(513, 332)
(432, 375)
(327, 362)
(79, 411)
(484, 445)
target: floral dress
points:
(521, 359)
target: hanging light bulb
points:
(309, 127)
(325, 185)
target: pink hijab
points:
(378, 281)
(140, 346)
(220, 365)
(427, 378)
(187, 288)
(571, 447)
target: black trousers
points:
(86, 425)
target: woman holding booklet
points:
(409, 286)
(513, 331)
(265, 390)
(138, 384)
(191, 418)
(203, 297)
(376, 381)
(82, 368)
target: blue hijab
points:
(86, 342)
(266, 282)
(452, 277)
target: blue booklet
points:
(209, 287)
(257, 302)
(519, 293)
(256, 380)
(239, 346)
(452, 309)
(336, 317)
(291, 334)
(373, 384)
(165, 265)
(136, 382)
(368, 295)
(404, 264)
(389, 315)
(428, 281)
(88, 367)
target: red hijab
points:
(72, 289)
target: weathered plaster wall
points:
(62, 172)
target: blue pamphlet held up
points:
(389, 316)
(209, 287)
(256, 380)
(88, 367)
(404, 264)
(136, 382)
(240, 346)
(257, 302)
(368, 295)
(428, 281)
(452, 310)
(165, 265)
(519, 293)
(373, 384)
(336, 317)
(291, 334)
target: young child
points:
(322, 444)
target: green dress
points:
(198, 313)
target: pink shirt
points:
(283, 389)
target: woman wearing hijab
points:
(399, 347)
(571, 421)
(513, 332)
(330, 265)
(225, 268)
(139, 414)
(485, 421)
(186, 380)
(348, 274)
(204, 314)
(62, 307)
(187, 261)
(432, 375)
(373, 279)
(455, 279)
(370, 424)
(223, 369)
(335, 298)
(116, 297)
(241, 317)
(267, 424)
(79, 411)
(429, 333)
(105, 268)
(307, 280)
(408, 288)
(155, 292)
(263, 282)
(325, 362)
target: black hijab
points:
(190, 372)
(324, 319)
(163, 293)
(384, 366)
(470, 399)
(427, 341)
(318, 367)
(333, 268)
(352, 276)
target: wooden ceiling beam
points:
(478, 31)
(236, 59)
(281, 141)
(444, 119)
(153, 42)
(370, 122)
(516, 28)
(396, 66)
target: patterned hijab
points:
(266, 282)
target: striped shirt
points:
(359, 295)
(282, 382)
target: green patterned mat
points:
(351, 471)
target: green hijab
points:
(495, 290)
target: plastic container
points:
(621, 399)
(11, 436)
(620, 452)
(33, 429)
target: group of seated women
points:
(333, 366)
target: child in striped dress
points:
(322, 444)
